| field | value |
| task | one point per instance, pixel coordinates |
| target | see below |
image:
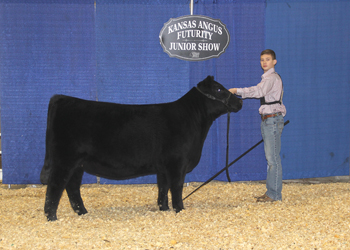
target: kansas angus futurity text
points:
(196, 37)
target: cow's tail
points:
(45, 171)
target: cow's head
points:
(217, 92)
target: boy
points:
(272, 111)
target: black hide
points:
(119, 141)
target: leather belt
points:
(264, 117)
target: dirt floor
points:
(314, 214)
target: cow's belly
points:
(117, 171)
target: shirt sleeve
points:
(257, 91)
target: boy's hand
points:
(233, 90)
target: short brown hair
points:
(269, 52)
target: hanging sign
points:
(194, 38)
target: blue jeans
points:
(271, 130)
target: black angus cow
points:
(118, 141)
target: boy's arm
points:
(257, 91)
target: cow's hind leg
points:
(163, 188)
(73, 191)
(57, 181)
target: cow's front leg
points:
(176, 188)
(163, 189)
(176, 194)
(73, 191)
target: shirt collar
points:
(269, 72)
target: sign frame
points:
(194, 37)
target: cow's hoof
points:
(163, 208)
(51, 218)
(82, 212)
(177, 210)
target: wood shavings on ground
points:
(218, 216)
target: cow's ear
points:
(210, 78)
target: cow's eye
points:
(219, 90)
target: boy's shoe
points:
(264, 198)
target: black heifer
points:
(117, 141)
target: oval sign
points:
(194, 38)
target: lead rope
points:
(222, 170)
(227, 146)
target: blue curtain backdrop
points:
(312, 42)
(46, 47)
(109, 51)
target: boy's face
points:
(267, 62)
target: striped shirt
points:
(271, 88)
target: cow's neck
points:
(201, 109)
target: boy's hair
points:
(269, 52)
